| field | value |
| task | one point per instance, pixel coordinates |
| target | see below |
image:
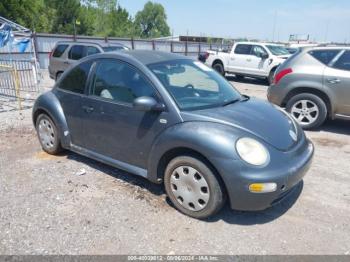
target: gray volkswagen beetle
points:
(175, 121)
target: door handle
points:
(333, 80)
(249, 59)
(88, 109)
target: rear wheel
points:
(48, 134)
(309, 110)
(239, 77)
(192, 187)
(218, 67)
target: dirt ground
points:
(48, 207)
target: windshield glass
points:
(193, 85)
(278, 50)
(112, 48)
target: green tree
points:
(32, 14)
(151, 21)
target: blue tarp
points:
(6, 37)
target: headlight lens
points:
(252, 151)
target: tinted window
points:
(91, 50)
(59, 50)
(114, 48)
(76, 79)
(343, 62)
(324, 56)
(120, 82)
(243, 49)
(77, 52)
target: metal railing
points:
(18, 81)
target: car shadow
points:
(248, 80)
(335, 126)
(117, 173)
(226, 214)
(248, 218)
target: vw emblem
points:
(293, 135)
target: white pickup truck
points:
(251, 59)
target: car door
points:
(57, 59)
(337, 79)
(75, 53)
(239, 58)
(258, 63)
(112, 127)
(70, 90)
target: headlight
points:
(252, 151)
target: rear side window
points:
(59, 50)
(324, 56)
(243, 49)
(76, 79)
(76, 52)
(343, 62)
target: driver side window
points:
(120, 82)
(258, 51)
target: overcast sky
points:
(322, 19)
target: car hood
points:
(254, 116)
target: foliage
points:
(86, 17)
(151, 21)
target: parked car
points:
(314, 85)
(66, 53)
(175, 121)
(292, 50)
(258, 60)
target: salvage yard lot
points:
(48, 205)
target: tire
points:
(239, 77)
(270, 77)
(306, 107)
(48, 135)
(193, 188)
(218, 67)
(58, 76)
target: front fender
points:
(212, 140)
(49, 104)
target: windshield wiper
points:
(231, 102)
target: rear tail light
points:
(281, 74)
(206, 55)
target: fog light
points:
(262, 187)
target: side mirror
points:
(146, 103)
(264, 56)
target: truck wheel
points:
(218, 67)
(48, 135)
(270, 77)
(309, 110)
(239, 77)
(192, 187)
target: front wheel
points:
(192, 187)
(309, 110)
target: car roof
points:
(326, 48)
(88, 43)
(259, 43)
(151, 57)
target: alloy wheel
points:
(46, 133)
(305, 112)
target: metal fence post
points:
(153, 45)
(132, 43)
(186, 48)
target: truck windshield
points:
(278, 50)
(193, 85)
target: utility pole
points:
(274, 26)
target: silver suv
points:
(66, 53)
(313, 85)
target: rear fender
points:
(49, 104)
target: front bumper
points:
(287, 172)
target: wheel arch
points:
(217, 61)
(48, 104)
(321, 94)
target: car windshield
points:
(112, 48)
(278, 50)
(193, 85)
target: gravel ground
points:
(46, 207)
